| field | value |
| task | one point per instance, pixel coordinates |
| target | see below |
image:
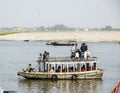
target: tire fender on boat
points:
(54, 77)
(74, 77)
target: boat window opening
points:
(75, 67)
(78, 67)
(51, 68)
(94, 66)
(83, 68)
(70, 67)
(88, 65)
(55, 67)
(49, 65)
(58, 68)
(46, 67)
(64, 68)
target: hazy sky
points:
(77, 13)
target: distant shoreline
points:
(82, 36)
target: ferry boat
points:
(66, 69)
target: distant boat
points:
(26, 40)
(60, 43)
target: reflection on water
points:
(61, 86)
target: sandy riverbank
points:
(84, 36)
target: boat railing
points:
(68, 59)
(59, 59)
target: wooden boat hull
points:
(69, 76)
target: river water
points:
(14, 56)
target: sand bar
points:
(84, 36)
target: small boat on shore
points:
(66, 69)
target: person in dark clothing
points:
(83, 47)
(44, 56)
(79, 53)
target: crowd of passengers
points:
(29, 68)
(72, 69)
(81, 53)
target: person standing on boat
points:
(78, 55)
(76, 47)
(39, 62)
(45, 57)
(83, 49)
(73, 51)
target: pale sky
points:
(76, 13)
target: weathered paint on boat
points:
(73, 75)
